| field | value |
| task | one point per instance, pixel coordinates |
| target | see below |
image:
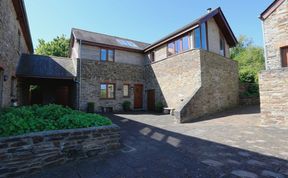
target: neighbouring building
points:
(189, 71)
(15, 39)
(274, 80)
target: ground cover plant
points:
(26, 119)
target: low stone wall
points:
(274, 97)
(26, 154)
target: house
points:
(189, 70)
(274, 80)
(15, 39)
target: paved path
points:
(229, 144)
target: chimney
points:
(209, 10)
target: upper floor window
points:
(152, 56)
(107, 91)
(204, 36)
(284, 56)
(179, 45)
(222, 46)
(197, 38)
(107, 55)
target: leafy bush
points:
(26, 119)
(252, 90)
(126, 105)
(159, 106)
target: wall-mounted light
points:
(5, 78)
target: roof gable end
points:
(264, 15)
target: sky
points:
(142, 20)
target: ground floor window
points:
(126, 90)
(107, 91)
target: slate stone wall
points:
(26, 154)
(274, 96)
(94, 73)
(219, 88)
(194, 83)
(12, 44)
(276, 35)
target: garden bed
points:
(30, 152)
(27, 119)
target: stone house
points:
(189, 70)
(274, 81)
(15, 39)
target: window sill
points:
(107, 98)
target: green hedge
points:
(26, 119)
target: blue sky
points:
(146, 21)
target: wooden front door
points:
(151, 100)
(138, 96)
(284, 56)
(62, 96)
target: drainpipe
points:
(80, 73)
(265, 50)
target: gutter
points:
(80, 73)
(265, 50)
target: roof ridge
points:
(109, 35)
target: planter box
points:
(26, 154)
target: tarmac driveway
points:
(228, 144)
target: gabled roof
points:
(45, 67)
(103, 39)
(220, 19)
(19, 7)
(271, 9)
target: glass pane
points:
(125, 90)
(110, 55)
(177, 46)
(204, 37)
(171, 49)
(185, 43)
(222, 47)
(197, 38)
(103, 93)
(110, 90)
(103, 54)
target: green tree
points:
(59, 46)
(250, 59)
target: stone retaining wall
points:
(26, 154)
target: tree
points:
(250, 59)
(59, 46)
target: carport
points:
(45, 80)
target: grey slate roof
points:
(105, 39)
(45, 67)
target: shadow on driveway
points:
(149, 151)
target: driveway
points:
(228, 144)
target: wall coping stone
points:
(56, 132)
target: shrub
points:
(252, 90)
(26, 119)
(126, 105)
(159, 107)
